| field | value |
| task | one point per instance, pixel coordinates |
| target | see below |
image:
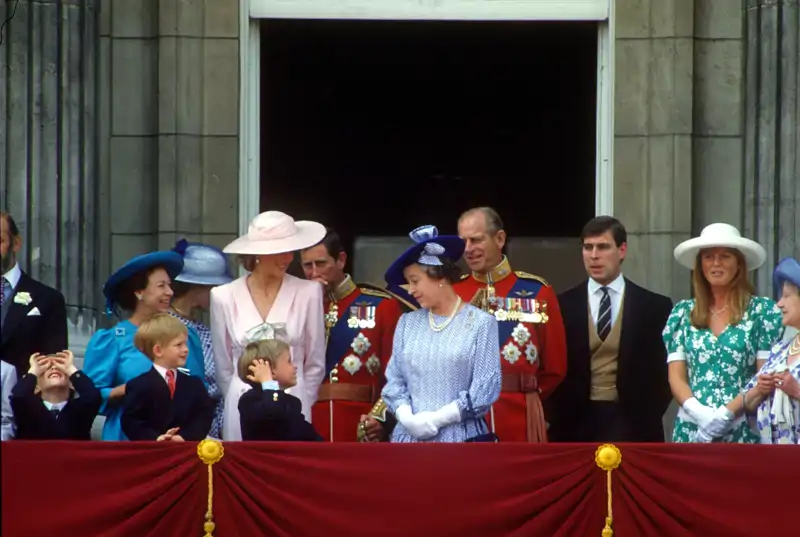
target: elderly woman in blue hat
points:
(204, 267)
(444, 374)
(772, 397)
(142, 287)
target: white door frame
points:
(250, 71)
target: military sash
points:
(362, 314)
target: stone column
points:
(772, 131)
(653, 137)
(169, 134)
(48, 168)
(718, 113)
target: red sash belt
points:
(528, 384)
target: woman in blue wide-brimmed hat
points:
(141, 288)
(444, 374)
(772, 397)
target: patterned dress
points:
(771, 429)
(210, 371)
(429, 370)
(720, 367)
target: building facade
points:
(129, 123)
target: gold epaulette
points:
(465, 276)
(529, 276)
(374, 290)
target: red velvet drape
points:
(100, 489)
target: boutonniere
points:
(23, 298)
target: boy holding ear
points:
(54, 401)
(267, 412)
(166, 403)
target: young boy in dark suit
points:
(54, 401)
(165, 404)
(267, 412)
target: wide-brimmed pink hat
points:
(274, 232)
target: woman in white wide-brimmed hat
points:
(720, 338)
(269, 303)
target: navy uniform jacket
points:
(74, 422)
(273, 415)
(148, 412)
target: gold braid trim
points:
(210, 452)
(608, 457)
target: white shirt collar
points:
(163, 371)
(13, 275)
(618, 285)
(58, 406)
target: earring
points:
(138, 297)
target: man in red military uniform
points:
(533, 349)
(359, 325)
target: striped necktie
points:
(604, 315)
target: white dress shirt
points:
(616, 290)
(163, 372)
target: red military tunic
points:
(360, 324)
(533, 353)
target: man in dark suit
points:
(65, 406)
(33, 316)
(616, 389)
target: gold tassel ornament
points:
(210, 452)
(608, 457)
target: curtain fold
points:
(697, 490)
(105, 489)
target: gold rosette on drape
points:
(210, 452)
(608, 457)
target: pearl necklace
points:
(439, 327)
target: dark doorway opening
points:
(375, 127)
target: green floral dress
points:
(720, 367)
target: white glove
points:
(702, 437)
(701, 414)
(447, 415)
(721, 424)
(420, 426)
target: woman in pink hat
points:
(266, 302)
(718, 340)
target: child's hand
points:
(169, 435)
(39, 364)
(260, 371)
(177, 438)
(64, 361)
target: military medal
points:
(362, 317)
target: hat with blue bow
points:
(429, 248)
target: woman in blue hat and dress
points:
(204, 267)
(444, 374)
(772, 397)
(142, 287)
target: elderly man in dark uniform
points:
(33, 316)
